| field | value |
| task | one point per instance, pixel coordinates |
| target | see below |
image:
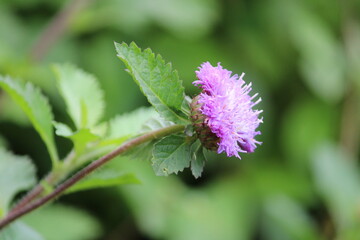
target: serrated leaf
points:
(19, 231)
(171, 155)
(17, 173)
(197, 159)
(159, 83)
(144, 151)
(129, 124)
(137, 122)
(37, 109)
(82, 95)
(155, 123)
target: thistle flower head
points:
(223, 111)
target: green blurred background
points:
(303, 58)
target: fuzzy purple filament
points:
(228, 109)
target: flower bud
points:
(208, 139)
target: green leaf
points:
(63, 130)
(105, 177)
(17, 173)
(171, 155)
(144, 151)
(58, 222)
(129, 124)
(80, 138)
(159, 83)
(19, 231)
(155, 123)
(82, 95)
(197, 159)
(36, 107)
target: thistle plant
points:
(173, 133)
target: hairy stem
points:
(33, 194)
(55, 176)
(13, 215)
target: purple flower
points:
(227, 109)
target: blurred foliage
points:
(303, 59)
(62, 222)
(17, 170)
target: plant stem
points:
(34, 193)
(55, 176)
(88, 169)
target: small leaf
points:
(159, 83)
(82, 95)
(17, 173)
(105, 177)
(197, 159)
(80, 138)
(61, 129)
(37, 109)
(171, 155)
(19, 231)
